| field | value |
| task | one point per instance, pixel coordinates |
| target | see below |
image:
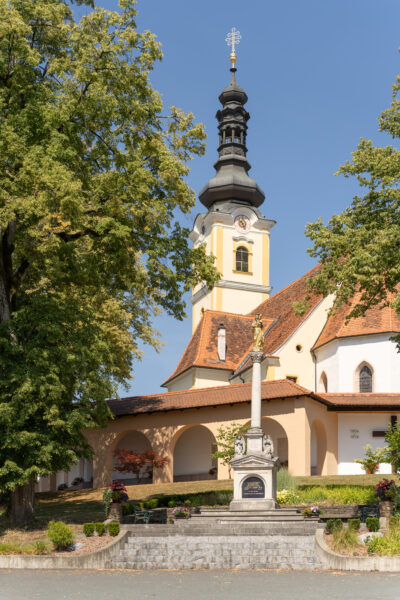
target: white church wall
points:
(211, 377)
(183, 382)
(354, 432)
(341, 358)
(295, 358)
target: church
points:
(329, 386)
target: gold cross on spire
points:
(232, 39)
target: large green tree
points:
(92, 176)
(359, 249)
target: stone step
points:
(233, 528)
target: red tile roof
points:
(202, 350)
(370, 401)
(205, 397)
(376, 320)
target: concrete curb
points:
(333, 560)
(92, 560)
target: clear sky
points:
(317, 73)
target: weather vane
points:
(232, 39)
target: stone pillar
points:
(256, 357)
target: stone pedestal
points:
(254, 474)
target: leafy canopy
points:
(359, 249)
(92, 176)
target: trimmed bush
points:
(150, 504)
(333, 525)
(89, 529)
(285, 481)
(113, 529)
(354, 524)
(100, 528)
(172, 503)
(62, 486)
(127, 508)
(60, 534)
(372, 523)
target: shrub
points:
(344, 540)
(354, 524)
(10, 548)
(127, 508)
(100, 528)
(113, 529)
(372, 459)
(171, 503)
(336, 494)
(107, 499)
(333, 525)
(62, 486)
(150, 504)
(285, 481)
(388, 544)
(88, 529)
(394, 523)
(287, 497)
(372, 523)
(41, 547)
(223, 498)
(60, 534)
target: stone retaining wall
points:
(333, 560)
(217, 552)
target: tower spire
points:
(231, 182)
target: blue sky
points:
(317, 73)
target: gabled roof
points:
(202, 350)
(278, 310)
(205, 397)
(279, 319)
(377, 319)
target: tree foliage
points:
(92, 175)
(139, 463)
(359, 249)
(392, 438)
(226, 436)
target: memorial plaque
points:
(253, 487)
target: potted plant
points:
(118, 495)
(181, 512)
(311, 512)
(385, 490)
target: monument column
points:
(256, 357)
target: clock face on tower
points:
(242, 223)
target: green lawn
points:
(81, 506)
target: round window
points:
(299, 348)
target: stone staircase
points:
(198, 545)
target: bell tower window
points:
(242, 259)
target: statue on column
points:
(240, 446)
(267, 446)
(258, 334)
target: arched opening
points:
(365, 379)
(279, 439)
(323, 383)
(242, 259)
(192, 455)
(318, 447)
(137, 442)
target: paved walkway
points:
(197, 585)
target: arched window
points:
(323, 383)
(365, 379)
(242, 259)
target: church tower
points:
(233, 229)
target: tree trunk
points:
(23, 504)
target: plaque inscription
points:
(253, 487)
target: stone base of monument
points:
(254, 474)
